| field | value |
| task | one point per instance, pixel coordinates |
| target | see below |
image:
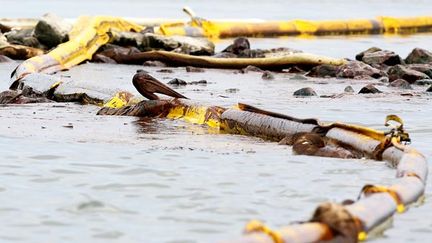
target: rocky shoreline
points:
(375, 64)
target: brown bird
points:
(147, 86)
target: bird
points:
(147, 86)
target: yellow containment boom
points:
(90, 33)
(86, 36)
(276, 62)
(199, 27)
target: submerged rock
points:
(267, 75)
(323, 70)
(232, 90)
(155, 64)
(165, 71)
(191, 69)
(251, 68)
(423, 82)
(52, 30)
(359, 57)
(349, 89)
(385, 57)
(369, 89)
(402, 72)
(296, 69)
(20, 97)
(305, 92)
(99, 58)
(177, 81)
(356, 68)
(419, 55)
(199, 82)
(400, 83)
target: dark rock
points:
(51, 30)
(118, 53)
(429, 89)
(154, 64)
(402, 72)
(180, 44)
(239, 46)
(191, 69)
(102, 59)
(359, 56)
(419, 55)
(400, 83)
(356, 68)
(424, 68)
(275, 52)
(363, 77)
(19, 52)
(323, 70)
(18, 97)
(232, 90)
(225, 55)
(251, 68)
(296, 69)
(267, 75)
(5, 59)
(305, 92)
(369, 89)
(423, 82)
(4, 28)
(384, 79)
(165, 71)
(22, 37)
(177, 81)
(123, 38)
(298, 77)
(382, 57)
(349, 89)
(201, 82)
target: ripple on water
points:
(229, 211)
(109, 235)
(95, 206)
(118, 186)
(46, 157)
(68, 172)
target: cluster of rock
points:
(384, 65)
(51, 30)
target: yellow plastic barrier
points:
(179, 59)
(87, 35)
(229, 29)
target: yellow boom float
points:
(200, 27)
